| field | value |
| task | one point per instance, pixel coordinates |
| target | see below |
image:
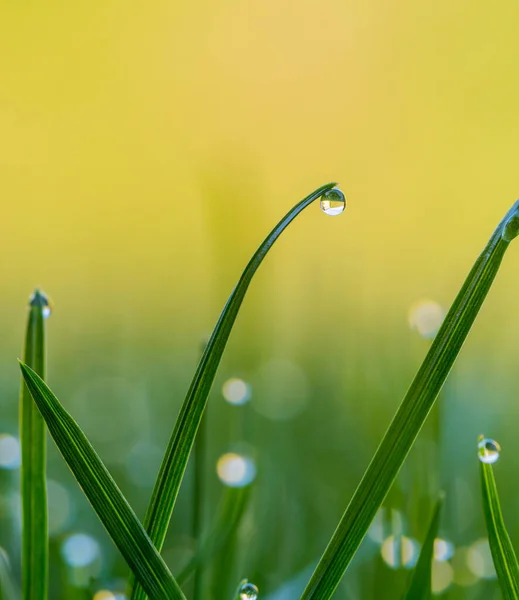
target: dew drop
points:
(236, 391)
(488, 450)
(235, 470)
(333, 202)
(39, 298)
(248, 591)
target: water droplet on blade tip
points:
(248, 591)
(333, 202)
(39, 298)
(488, 451)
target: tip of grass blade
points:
(503, 553)
(38, 298)
(420, 586)
(511, 224)
(24, 367)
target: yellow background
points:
(146, 149)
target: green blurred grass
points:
(308, 466)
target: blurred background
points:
(145, 152)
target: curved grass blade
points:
(411, 414)
(421, 580)
(503, 555)
(33, 438)
(233, 508)
(198, 501)
(103, 494)
(199, 460)
(176, 457)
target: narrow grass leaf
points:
(411, 414)
(232, 509)
(179, 447)
(199, 486)
(103, 494)
(198, 500)
(420, 587)
(503, 555)
(33, 439)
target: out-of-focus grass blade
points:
(105, 497)
(420, 586)
(503, 555)
(34, 457)
(230, 514)
(8, 589)
(176, 457)
(198, 458)
(411, 414)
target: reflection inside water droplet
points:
(248, 591)
(333, 202)
(488, 450)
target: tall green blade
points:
(105, 497)
(177, 454)
(198, 458)
(503, 555)
(420, 587)
(411, 414)
(34, 456)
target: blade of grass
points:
(34, 457)
(198, 501)
(421, 580)
(174, 463)
(103, 494)
(503, 555)
(198, 458)
(232, 509)
(411, 414)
